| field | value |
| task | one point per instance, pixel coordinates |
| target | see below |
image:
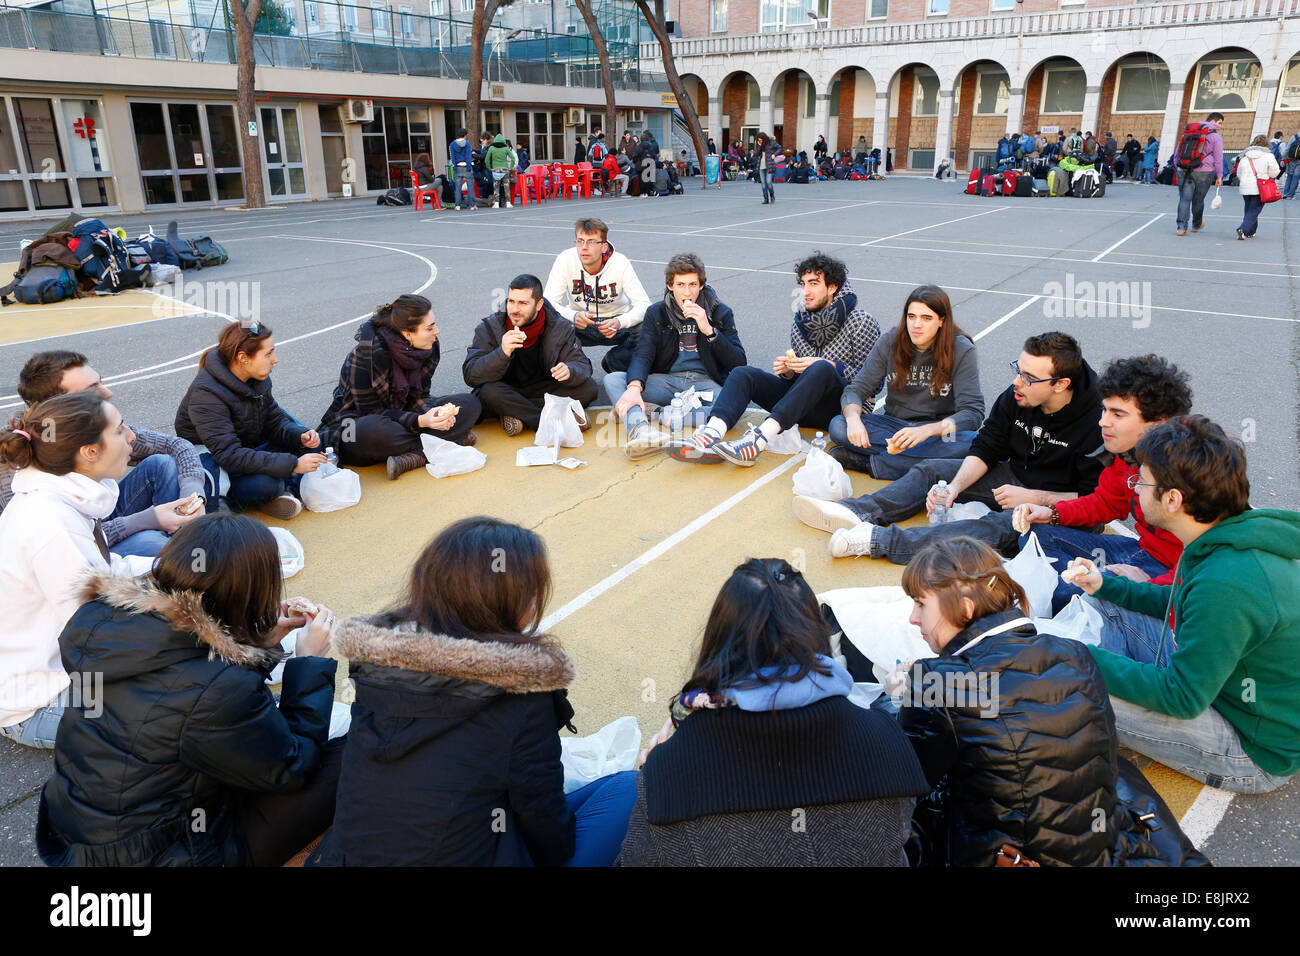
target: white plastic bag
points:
(968, 511)
(292, 556)
(788, 442)
(1079, 621)
(1033, 571)
(875, 621)
(330, 492)
(612, 748)
(446, 458)
(559, 424)
(821, 476)
(1217, 201)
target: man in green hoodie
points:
(1221, 703)
(499, 160)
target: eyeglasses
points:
(1029, 380)
(1134, 484)
(588, 242)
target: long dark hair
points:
(765, 616)
(233, 563)
(236, 338)
(479, 578)
(404, 313)
(942, 348)
(56, 429)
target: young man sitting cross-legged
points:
(1035, 448)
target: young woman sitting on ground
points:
(933, 403)
(181, 757)
(453, 758)
(230, 410)
(382, 403)
(763, 733)
(1014, 731)
(71, 450)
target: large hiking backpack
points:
(208, 251)
(157, 248)
(1087, 184)
(973, 182)
(1058, 182)
(401, 196)
(1293, 151)
(596, 156)
(1192, 146)
(40, 285)
(1009, 180)
(843, 172)
(989, 185)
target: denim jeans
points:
(462, 174)
(602, 808)
(151, 483)
(901, 499)
(1292, 178)
(876, 462)
(1138, 637)
(250, 491)
(768, 192)
(1066, 544)
(1250, 215)
(810, 399)
(900, 545)
(660, 389)
(1192, 188)
(38, 730)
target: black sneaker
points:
(849, 460)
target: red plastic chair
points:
(533, 181)
(569, 182)
(421, 192)
(557, 178)
(587, 176)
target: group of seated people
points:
(1200, 641)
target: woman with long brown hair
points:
(453, 757)
(230, 410)
(382, 403)
(933, 405)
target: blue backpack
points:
(41, 285)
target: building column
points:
(766, 115)
(1091, 105)
(1016, 111)
(1170, 130)
(880, 124)
(823, 118)
(715, 120)
(1264, 107)
(943, 128)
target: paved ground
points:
(627, 540)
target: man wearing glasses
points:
(597, 290)
(1136, 394)
(1035, 448)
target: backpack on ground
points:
(1024, 186)
(40, 285)
(158, 249)
(138, 253)
(1087, 184)
(401, 196)
(1009, 180)
(1192, 147)
(989, 185)
(1058, 182)
(842, 172)
(208, 251)
(973, 182)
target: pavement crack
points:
(25, 797)
(611, 487)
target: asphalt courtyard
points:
(638, 550)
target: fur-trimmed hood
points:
(183, 614)
(386, 640)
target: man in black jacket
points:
(521, 355)
(1036, 447)
(687, 340)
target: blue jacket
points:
(1004, 149)
(460, 152)
(1150, 155)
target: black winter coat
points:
(366, 384)
(485, 362)
(453, 756)
(232, 418)
(187, 722)
(1029, 757)
(659, 343)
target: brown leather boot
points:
(399, 465)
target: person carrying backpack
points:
(1291, 163)
(1199, 159)
(1074, 144)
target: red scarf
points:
(534, 329)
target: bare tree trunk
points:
(656, 20)
(245, 107)
(484, 12)
(602, 53)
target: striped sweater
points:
(841, 332)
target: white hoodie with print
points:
(613, 292)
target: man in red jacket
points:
(1136, 393)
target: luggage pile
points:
(84, 256)
(1068, 178)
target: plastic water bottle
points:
(940, 513)
(331, 466)
(819, 442)
(677, 414)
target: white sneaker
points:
(510, 205)
(644, 442)
(824, 515)
(496, 205)
(852, 542)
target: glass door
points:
(188, 153)
(286, 177)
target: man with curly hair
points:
(829, 342)
(1136, 394)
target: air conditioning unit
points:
(575, 117)
(359, 111)
(635, 117)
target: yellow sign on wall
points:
(669, 99)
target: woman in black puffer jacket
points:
(1014, 731)
(181, 757)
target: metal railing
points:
(1197, 12)
(344, 51)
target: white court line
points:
(599, 588)
(1102, 255)
(989, 328)
(948, 222)
(793, 215)
(1204, 815)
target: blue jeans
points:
(810, 399)
(1066, 544)
(900, 545)
(602, 808)
(1139, 637)
(251, 491)
(768, 192)
(660, 389)
(462, 174)
(38, 730)
(1292, 178)
(1250, 215)
(153, 482)
(879, 464)
(1192, 188)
